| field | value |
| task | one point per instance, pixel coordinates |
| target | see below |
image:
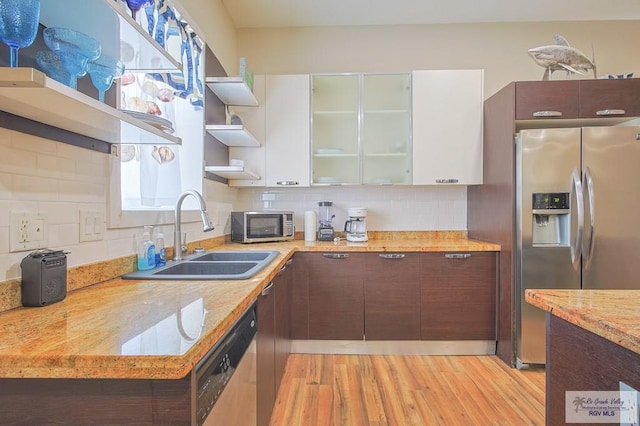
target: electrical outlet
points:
(28, 231)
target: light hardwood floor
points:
(407, 390)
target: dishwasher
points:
(226, 377)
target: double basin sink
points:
(214, 265)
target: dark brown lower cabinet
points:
(392, 296)
(578, 360)
(266, 354)
(96, 401)
(274, 340)
(336, 295)
(458, 296)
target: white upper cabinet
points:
(361, 129)
(281, 123)
(287, 130)
(447, 127)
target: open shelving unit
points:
(29, 93)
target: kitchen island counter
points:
(154, 329)
(593, 344)
(611, 314)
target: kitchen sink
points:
(215, 265)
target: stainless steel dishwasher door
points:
(237, 404)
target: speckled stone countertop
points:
(612, 314)
(154, 329)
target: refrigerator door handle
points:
(576, 246)
(592, 218)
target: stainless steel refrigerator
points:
(578, 218)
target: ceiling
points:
(305, 13)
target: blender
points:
(354, 227)
(325, 218)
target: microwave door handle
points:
(576, 246)
(591, 240)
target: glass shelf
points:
(29, 93)
(119, 34)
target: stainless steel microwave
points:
(257, 227)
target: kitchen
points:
(57, 179)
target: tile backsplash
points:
(390, 208)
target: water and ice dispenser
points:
(551, 221)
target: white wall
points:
(500, 49)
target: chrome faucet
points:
(208, 226)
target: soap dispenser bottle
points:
(146, 251)
(161, 253)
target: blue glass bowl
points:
(52, 65)
(74, 48)
(103, 71)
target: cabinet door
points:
(300, 297)
(282, 284)
(253, 118)
(336, 296)
(610, 98)
(392, 296)
(265, 352)
(458, 296)
(386, 128)
(447, 127)
(335, 107)
(547, 99)
(287, 130)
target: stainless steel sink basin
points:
(231, 256)
(215, 265)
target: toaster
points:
(44, 277)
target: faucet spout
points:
(207, 225)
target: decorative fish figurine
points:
(561, 56)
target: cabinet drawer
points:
(610, 98)
(547, 99)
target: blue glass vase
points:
(18, 25)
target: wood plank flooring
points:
(328, 390)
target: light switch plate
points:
(91, 226)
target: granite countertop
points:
(155, 329)
(612, 314)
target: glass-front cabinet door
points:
(361, 129)
(386, 129)
(335, 106)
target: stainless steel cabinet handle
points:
(611, 112)
(335, 255)
(267, 289)
(547, 114)
(576, 247)
(287, 182)
(391, 255)
(592, 218)
(450, 180)
(457, 255)
(286, 264)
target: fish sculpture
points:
(561, 56)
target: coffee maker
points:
(355, 227)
